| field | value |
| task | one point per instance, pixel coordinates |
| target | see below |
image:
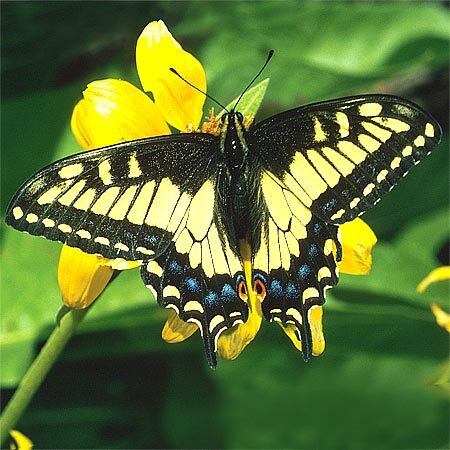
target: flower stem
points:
(38, 370)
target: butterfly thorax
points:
(233, 144)
(235, 151)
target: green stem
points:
(38, 370)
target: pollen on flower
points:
(248, 120)
(212, 125)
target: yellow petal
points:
(442, 317)
(156, 52)
(81, 277)
(176, 330)
(315, 321)
(114, 111)
(231, 342)
(21, 442)
(358, 240)
(439, 274)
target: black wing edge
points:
(321, 105)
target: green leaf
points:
(250, 101)
(320, 51)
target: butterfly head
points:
(232, 119)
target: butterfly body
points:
(182, 205)
(238, 185)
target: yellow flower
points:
(439, 274)
(20, 441)
(82, 277)
(358, 240)
(156, 52)
(114, 110)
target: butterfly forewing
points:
(126, 200)
(340, 157)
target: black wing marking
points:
(122, 201)
(340, 157)
(296, 261)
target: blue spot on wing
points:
(276, 289)
(304, 271)
(313, 251)
(192, 284)
(151, 240)
(292, 292)
(329, 205)
(228, 294)
(318, 227)
(174, 267)
(211, 299)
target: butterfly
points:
(182, 205)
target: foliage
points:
(118, 382)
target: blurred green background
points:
(118, 385)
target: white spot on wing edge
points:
(65, 228)
(171, 291)
(323, 272)
(48, 223)
(295, 314)
(354, 202)
(216, 320)
(368, 189)
(310, 292)
(84, 234)
(102, 240)
(338, 214)
(429, 130)
(31, 218)
(17, 212)
(121, 246)
(395, 163)
(145, 251)
(193, 305)
(419, 141)
(382, 175)
(407, 151)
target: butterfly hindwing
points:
(340, 157)
(199, 277)
(296, 261)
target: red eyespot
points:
(260, 289)
(242, 291)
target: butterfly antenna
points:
(197, 89)
(269, 57)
